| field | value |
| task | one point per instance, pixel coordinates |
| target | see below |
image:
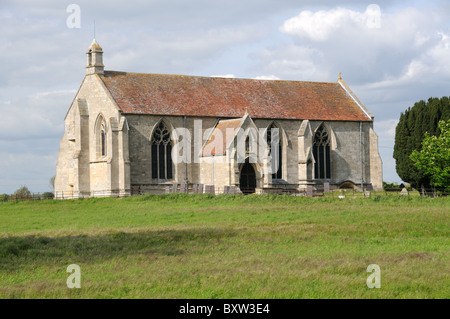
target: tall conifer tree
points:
(410, 131)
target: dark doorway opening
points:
(247, 180)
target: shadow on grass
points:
(16, 252)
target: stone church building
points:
(131, 133)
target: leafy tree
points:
(434, 158)
(410, 131)
(22, 192)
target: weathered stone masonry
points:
(110, 130)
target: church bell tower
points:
(95, 59)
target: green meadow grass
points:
(204, 246)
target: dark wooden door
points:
(247, 181)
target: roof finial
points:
(94, 29)
(246, 111)
(340, 77)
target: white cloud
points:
(35, 116)
(229, 76)
(267, 77)
(292, 62)
(320, 25)
(175, 52)
(428, 67)
(410, 45)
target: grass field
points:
(204, 246)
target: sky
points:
(391, 54)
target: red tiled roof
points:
(161, 94)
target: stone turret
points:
(94, 59)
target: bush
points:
(22, 193)
(387, 185)
(48, 195)
(433, 159)
(4, 197)
(390, 185)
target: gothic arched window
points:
(161, 153)
(321, 152)
(103, 140)
(274, 136)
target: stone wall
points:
(345, 153)
(81, 169)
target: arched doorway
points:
(247, 180)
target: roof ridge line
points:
(355, 99)
(215, 77)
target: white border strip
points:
(353, 98)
